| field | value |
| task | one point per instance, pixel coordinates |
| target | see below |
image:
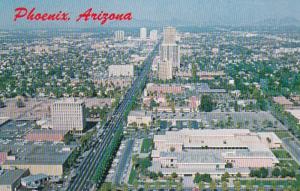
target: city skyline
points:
(161, 13)
(150, 95)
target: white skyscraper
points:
(153, 35)
(143, 33)
(165, 70)
(119, 35)
(171, 53)
(169, 49)
(169, 35)
(68, 115)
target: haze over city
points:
(160, 13)
(150, 95)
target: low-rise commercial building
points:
(34, 180)
(139, 118)
(38, 157)
(10, 180)
(121, 70)
(46, 135)
(189, 151)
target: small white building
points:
(139, 118)
(121, 70)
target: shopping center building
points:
(215, 152)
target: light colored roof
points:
(220, 138)
(199, 156)
(140, 113)
(295, 113)
(282, 100)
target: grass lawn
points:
(281, 153)
(290, 164)
(284, 183)
(282, 134)
(147, 145)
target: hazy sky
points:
(191, 12)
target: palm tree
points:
(179, 186)
(201, 185)
(249, 186)
(113, 187)
(237, 185)
(169, 184)
(273, 186)
(146, 186)
(213, 185)
(157, 185)
(125, 187)
(134, 160)
(105, 186)
(261, 188)
(224, 186)
(136, 184)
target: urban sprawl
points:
(128, 109)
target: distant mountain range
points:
(287, 21)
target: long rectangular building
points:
(189, 151)
(121, 70)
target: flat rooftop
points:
(36, 153)
(295, 113)
(14, 129)
(200, 156)
(11, 176)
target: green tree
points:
(276, 172)
(179, 186)
(249, 186)
(201, 185)
(194, 72)
(225, 177)
(174, 175)
(206, 104)
(146, 186)
(2, 104)
(169, 184)
(113, 187)
(125, 187)
(237, 185)
(213, 185)
(135, 184)
(157, 185)
(105, 186)
(224, 186)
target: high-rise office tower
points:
(169, 36)
(153, 35)
(169, 49)
(119, 35)
(143, 33)
(165, 70)
(68, 115)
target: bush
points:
(276, 172)
(202, 177)
(260, 173)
